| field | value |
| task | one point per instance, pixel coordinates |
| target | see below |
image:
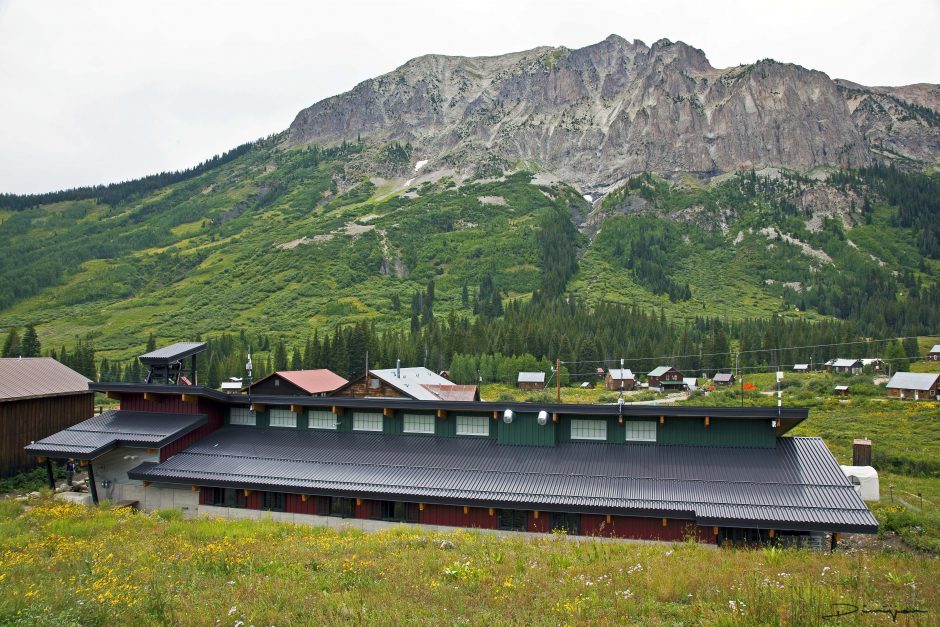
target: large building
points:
(38, 397)
(717, 474)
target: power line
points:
(745, 352)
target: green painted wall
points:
(720, 432)
(525, 430)
(344, 423)
(445, 427)
(394, 423)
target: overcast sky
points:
(100, 91)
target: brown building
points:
(665, 377)
(531, 381)
(934, 354)
(38, 397)
(320, 382)
(724, 378)
(918, 386)
(418, 383)
(620, 379)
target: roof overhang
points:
(786, 417)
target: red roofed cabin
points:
(320, 382)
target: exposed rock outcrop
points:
(601, 113)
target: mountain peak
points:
(597, 114)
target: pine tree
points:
(280, 356)
(30, 346)
(151, 344)
(11, 347)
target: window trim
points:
(282, 413)
(591, 438)
(472, 433)
(628, 423)
(322, 414)
(253, 416)
(371, 417)
(425, 418)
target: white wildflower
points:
(232, 611)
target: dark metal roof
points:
(172, 353)
(789, 416)
(91, 438)
(798, 485)
(36, 377)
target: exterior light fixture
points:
(508, 416)
(543, 417)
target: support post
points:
(91, 483)
(51, 476)
(558, 380)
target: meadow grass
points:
(64, 564)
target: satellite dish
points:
(507, 416)
(543, 417)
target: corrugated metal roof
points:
(453, 392)
(531, 377)
(913, 380)
(412, 380)
(935, 349)
(621, 375)
(312, 381)
(845, 363)
(723, 377)
(114, 428)
(34, 377)
(801, 366)
(797, 485)
(660, 371)
(172, 353)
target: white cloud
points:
(93, 92)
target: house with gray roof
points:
(918, 386)
(665, 377)
(934, 354)
(38, 397)
(531, 381)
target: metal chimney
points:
(398, 368)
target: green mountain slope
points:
(295, 241)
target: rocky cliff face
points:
(596, 115)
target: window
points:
(641, 430)
(241, 416)
(366, 421)
(341, 507)
(272, 501)
(321, 419)
(512, 520)
(473, 425)
(567, 523)
(589, 429)
(282, 418)
(227, 497)
(419, 423)
(393, 510)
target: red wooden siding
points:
(295, 504)
(540, 524)
(216, 421)
(452, 515)
(162, 403)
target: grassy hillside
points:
(291, 241)
(120, 567)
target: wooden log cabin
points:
(38, 397)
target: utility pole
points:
(558, 379)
